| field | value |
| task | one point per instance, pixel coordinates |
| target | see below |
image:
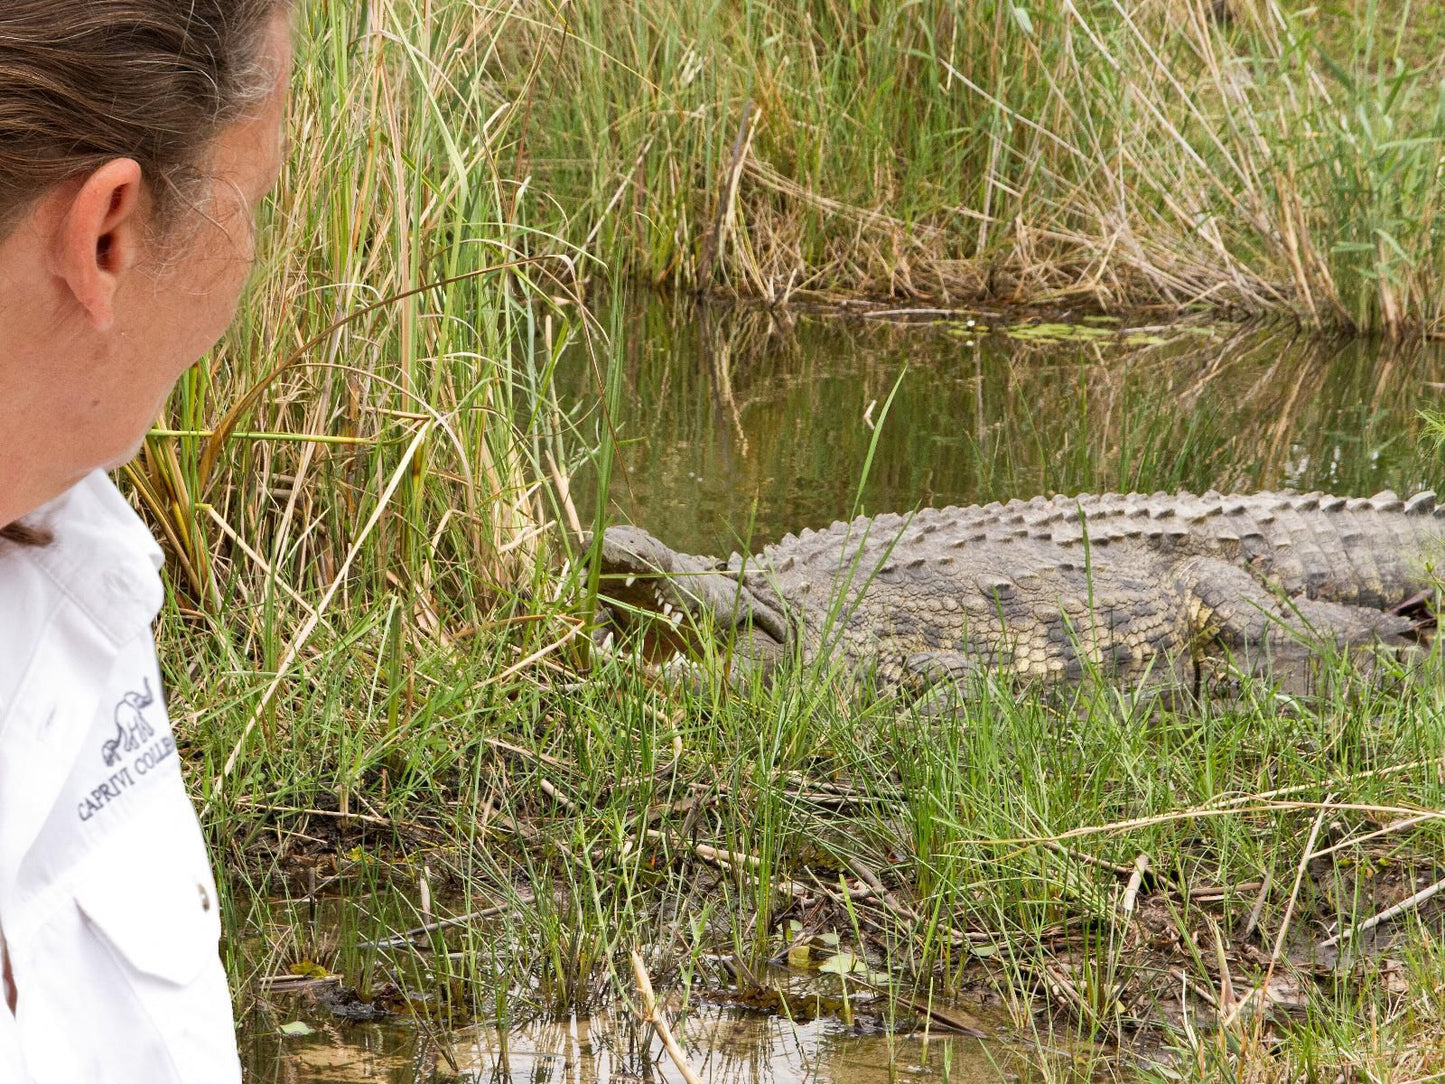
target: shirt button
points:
(205, 896)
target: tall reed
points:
(1254, 157)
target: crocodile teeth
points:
(667, 609)
(629, 581)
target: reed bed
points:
(1248, 155)
(379, 667)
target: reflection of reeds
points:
(782, 425)
(1099, 151)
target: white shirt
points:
(107, 904)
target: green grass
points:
(379, 675)
(587, 813)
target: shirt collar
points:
(103, 557)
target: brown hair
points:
(23, 535)
(87, 81)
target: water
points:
(720, 1044)
(739, 426)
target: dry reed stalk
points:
(304, 633)
(652, 1014)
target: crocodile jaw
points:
(669, 597)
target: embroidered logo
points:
(134, 734)
(131, 727)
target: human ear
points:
(100, 238)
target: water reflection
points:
(745, 424)
(721, 1045)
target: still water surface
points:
(739, 426)
(722, 1045)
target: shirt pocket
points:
(147, 894)
(134, 932)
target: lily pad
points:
(297, 1029)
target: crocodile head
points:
(668, 605)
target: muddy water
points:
(737, 427)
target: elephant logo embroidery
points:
(131, 727)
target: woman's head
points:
(88, 81)
(137, 138)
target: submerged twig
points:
(947, 1019)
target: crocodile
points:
(1052, 589)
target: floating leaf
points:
(843, 963)
(984, 951)
(970, 330)
(1058, 333)
(297, 1029)
(799, 956)
(829, 939)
